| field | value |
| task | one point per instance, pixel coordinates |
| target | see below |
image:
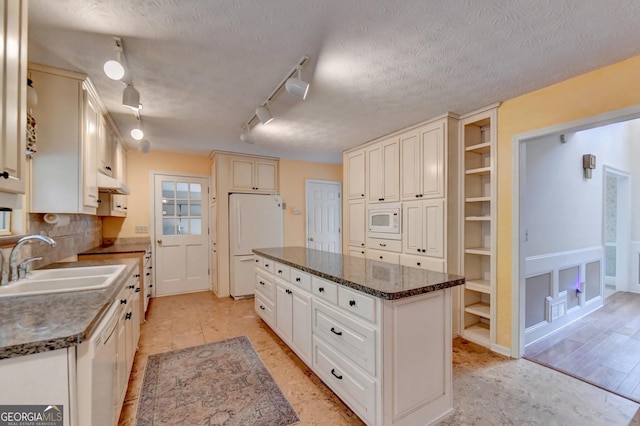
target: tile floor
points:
(602, 348)
(488, 388)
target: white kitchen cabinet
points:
(253, 174)
(68, 115)
(115, 204)
(106, 149)
(422, 153)
(383, 256)
(424, 228)
(13, 103)
(355, 175)
(293, 318)
(382, 167)
(357, 223)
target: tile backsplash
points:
(79, 233)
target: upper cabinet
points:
(356, 174)
(383, 173)
(68, 116)
(254, 175)
(422, 162)
(115, 204)
(13, 108)
(106, 149)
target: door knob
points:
(160, 242)
(310, 238)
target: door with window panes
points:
(181, 208)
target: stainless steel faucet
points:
(13, 257)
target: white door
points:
(324, 216)
(181, 209)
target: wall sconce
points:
(588, 164)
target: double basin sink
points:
(47, 281)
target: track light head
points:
(113, 69)
(137, 133)
(264, 114)
(144, 146)
(131, 98)
(297, 87)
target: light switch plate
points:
(142, 229)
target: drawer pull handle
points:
(337, 333)
(128, 316)
(333, 371)
(279, 271)
(352, 303)
(298, 279)
(137, 289)
(288, 291)
(5, 174)
(131, 287)
(262, 307)
(137, 275)
(266, 265)
(321, 289)
(123, 301)
(382, 245)
(261, 282)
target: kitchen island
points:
(378, 334)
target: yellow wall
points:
(293, 174)
(139, 166)
(607, 89)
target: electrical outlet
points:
(142, 229)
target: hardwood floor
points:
(602, 348)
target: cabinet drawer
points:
(423, 262)
(301, 279)
(384, 256)
(264, 308)
(324, 289)
(353, 386)
(353, 338)
(264, 284)
(258, 261)
(268, 265)
(357, 303)
(387, 245)
(282, 271)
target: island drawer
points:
(267, 265)
(387, 245)
(357, 303)
(264, 284)
(324, 289)
(282, 271)
(346, 380)
(353, 338)
(264, 308)
(301, 279)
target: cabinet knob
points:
(123, 301)
(362, 252)
(5, 174)
(297, 279)
(352, 303)
(137, 275)
(418, 263)
(380, 257)
(362, 195)
(279, 271)
(417, 195)
(131, 287)
(424, 251)
(108, 168)
(262, 307)
(321, 289)
(418, 250)
(288, 291)
(362, 244)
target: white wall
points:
(633, 134)
(564, 210)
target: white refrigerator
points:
(255, 221)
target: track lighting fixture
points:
(114, 69)
(136, 132)
(131, 98)
(144, 146)
(264, 115)
(293, 85)
(246, 136)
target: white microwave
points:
(384, 220)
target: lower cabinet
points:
(388, 360)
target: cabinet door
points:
(121, 360)
(136, 315)
(129, 335)
(413, 232)
(375, 173)
(434, 228)
(284, 312)
(301, 324)
(357, 223)
(433, 176)
(356, 252)
(391, 162)
(242, 174)
(13, 108)
(266, 173)
(106, 149)
(90, 143)
(355, 174)
(411, 166)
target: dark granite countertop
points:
(381, 279)
(117, 248)
(39, 323)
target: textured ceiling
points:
(202, 67)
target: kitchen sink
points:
(47, 281)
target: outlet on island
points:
(142, 229)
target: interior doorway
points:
(617, 231)
(324, 215)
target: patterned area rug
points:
(221, 383)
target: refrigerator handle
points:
(239, 215)
(247, 260)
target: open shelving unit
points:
(478, 230)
